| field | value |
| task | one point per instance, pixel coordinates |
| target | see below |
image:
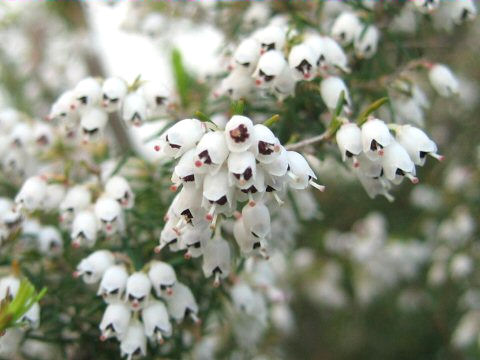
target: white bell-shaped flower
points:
(187, 208)
(366, 42)
(162, 277)
(43, 135)
(461, 11)
(134, 343)
(279, 166)
(156, 321)
(302, 62)
(156, 94)
(246, 55)
(195, 240)
(31, 194)
(300, 173)
(93, 122)
(181, 137)
(9, 286)
(271, 38)
(64, 108)
(113, 283)
(243, 297)
(109, 212)
(256, 220)
(185, 171)
(211, 152)
(21, 135)
(417, 144)
(88, 92)
(92, 268)
(253, 192)
(426, 6)
(284, 85)
(54, 197)
(216, 259)
(182, 303)
(170, 237)
(270, 66)
(266, 146)
(242, 168)
(77, 198)
(134, 109)
(375, 137)
(443, 80)
(369, 168)
(32, 317)
(217, 194)
(397, 164)
(316, 44)
(50, 241)
(256, 14)
(114, 91)
(237, 85)
(335, 57)
(84, 229)
(345, 26)
(119, 189)
(239, 133)
(245, 240)
(375, 186)
(349, 141)
(115, 321)
(330, 90)
(137, 291)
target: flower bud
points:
(330, 90)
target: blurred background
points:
(364, 278)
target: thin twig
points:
(316, 139)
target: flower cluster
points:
(78, 214)
(88, 104)
(140, 303)
(381, 159)
(244, 163)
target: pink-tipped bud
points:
(198, 163)
(157, 249)
(173, 188)
(75, 244)
(258, 82)
(48, 118)
(103, 338)
(237, 214)
(381, 152)
(187, 256)
(252, 203)
(157, 148)
(108, 227)
(209, 217)
(276, 148)
(73, 106)
(306, 76)
(76, 274)
(170, 291)
(230, 67)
